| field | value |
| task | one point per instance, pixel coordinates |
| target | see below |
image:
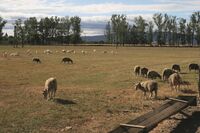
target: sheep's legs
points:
(54, 94)
(155, 94)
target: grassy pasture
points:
(94, 94)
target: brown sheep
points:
(153, 75)
(137, 70)
(166, 73)
(176, 67)
(37, 60)
(144, 71)
(68, 60)
(193, 66)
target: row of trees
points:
(45, 31)
(163, 29)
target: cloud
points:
(94, 16)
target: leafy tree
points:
(140, 24)
(197, 15)
(119, 28)
(63, 29)
(182, 30)
(2, 24)
(166, 28)
(189, 33)
(193, 22)
(19, 33)
(44, 29)
(174, 29)
(76, 29)
(108, 32)
(160, 22)
(31, 30)
(150, 32)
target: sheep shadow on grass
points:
(189, 125)
(63, 101)
(188, 91)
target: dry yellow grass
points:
(100, 84)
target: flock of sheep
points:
(171, 75)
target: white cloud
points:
(92, 32)
(92, 13)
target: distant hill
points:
(94, 38)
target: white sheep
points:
(84, 52)
(28, 51)
(148, 86)
(50, 88)
(14, 54)
(64, 51)
(70, 51)
(5, 54)
(175, 81)
(48, 51)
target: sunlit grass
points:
(100, 85)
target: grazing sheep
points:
(176, 67)
(14, 54)
(67, 60)
(84, 52)
(5, 54)
(175, 81)
(94, 50)
(37, 60)
(153, 75)
(28, 51)
(47, 51)
(105, 52)
(166, 73)
(64, 51)
(137, 70)
(148, 86)
(193, 66)
(70, 51)
(50, 88)
(144, 71)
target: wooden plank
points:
(142, 118)
(151, 119)
(178, 100)
(155, 119)
(131, 125)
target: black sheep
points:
(67, 60)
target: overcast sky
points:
(94, 13)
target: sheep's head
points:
(45, 94)
(137, 86)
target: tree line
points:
(48, 30)
(163, 30)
